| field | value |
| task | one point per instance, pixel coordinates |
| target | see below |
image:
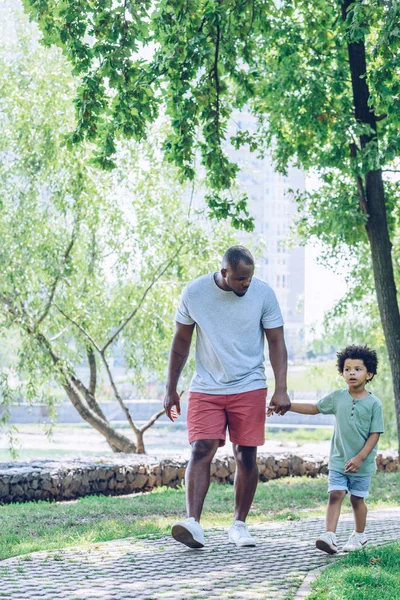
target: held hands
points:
(353, 465)
(280, 404)
(172, 399)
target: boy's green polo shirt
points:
(355, 420)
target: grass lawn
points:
(372, 574)
(303, 435)
(300, 435)
(37, 526)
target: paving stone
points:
(161, 569)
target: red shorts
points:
(244, 414)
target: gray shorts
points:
(355, 485)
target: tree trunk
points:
(139, 443)
(78, 394)
(385, 286)
(376, 226)
(117, 441)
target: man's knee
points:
(204, 450)
(246, 456)
(336, 496)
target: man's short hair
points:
(235, 254)
(363, 353)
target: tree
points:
(89, 259)
(356, 318)
(323, 83)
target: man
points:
(231, 310)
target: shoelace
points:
(242, 529)
(332, 539)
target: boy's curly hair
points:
(363, 353)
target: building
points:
(281, 264)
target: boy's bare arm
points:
(304, 408)
(298, 407)
(353, 465)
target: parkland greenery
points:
(323, 83)
(91, 263)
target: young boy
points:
(358, 425)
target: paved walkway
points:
(163, 569)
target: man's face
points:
(238, 280)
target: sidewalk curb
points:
(305, 588)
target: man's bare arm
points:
(179, 353)
(278, 357)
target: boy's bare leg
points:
(333, 509)
(360, 513)
(197, 477)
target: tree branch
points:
(59, 334)
(19, 315)
(76, 385)
(117, 396)
(93, 371)
(57, 279)
(81, 329)
(216, 77)
(133, 313)
(152, 420)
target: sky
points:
(323, 288)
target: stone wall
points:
(67, 480)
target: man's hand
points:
(172, 399)
(353, 465)
(280, 403)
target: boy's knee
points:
(356, 501)
(336, 496)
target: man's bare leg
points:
(246, 479)
(197, 477)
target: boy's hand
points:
(280, 403)
(353, 465)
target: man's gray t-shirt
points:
(229, 334)
(355, 421)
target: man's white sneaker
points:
(327, 542)
(239, 535)
(356, 541)
(188, 532)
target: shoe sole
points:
(355, 549)
(243, 544)
(184, 536)
(325, 547)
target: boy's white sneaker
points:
(356, 541)
(188, 532)
(239, 534)
(327, 542)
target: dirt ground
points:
(68, 440)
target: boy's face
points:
(355, 373)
